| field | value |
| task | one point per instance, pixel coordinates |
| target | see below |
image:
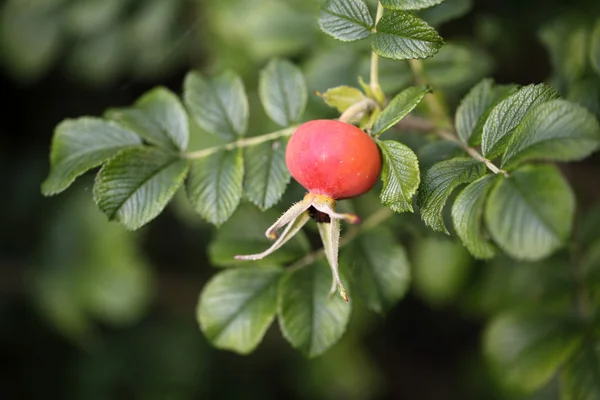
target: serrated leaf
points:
(446, 11)
(398, 108)
(267, 175)
(81, 144)
(401, 36)
(237, 306)
(527, 349)
(230, 240)
(529, 214)
(380, 268)
(409, 4)
(475, 108)
(595, 44)
(342, 97)
(214, 186)
(440, 269)
(438, 184)
(158, 117)
(282, 91)
(467, 217)
(400, 175)
(508, 114)
(556, 130)
(346, 20)
(135, 186)
(218, 104)
(309, 318)
(579, 377)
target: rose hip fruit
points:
(333, 158)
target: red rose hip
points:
(333, 158)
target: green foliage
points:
(399, 108)
(218, 104)
(158, 117)
(401, 35)
(310, 319)
(527, 349)
(508, 114)
(283, 92)
(400, 175)
(266, 175)
(530, 214)
(237, 306)
(409, 4)
(136, 185)
(438, 183)
(379, 268)
(215, 184)
(505, 201)
(440, 269)
(346, 20)
(82, 144)
(467, 217)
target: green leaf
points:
(230, 240)
(398, 108)
(446, 11)
(309, 318)
(579, 378)
(595, 50)
(81, 144)
(508, 114)
(467, 217)
(400, 175)
(556, 130)
(409, 4)
(218, 104)
(527, 349)
(267, 175)
(401, 35)
(440, 269)
(346, 20)
(530, 214)
(438, 184)
(475, 108)
(379, 268)
(158, 117)
(237, 306)
(342, 97)
(136, 185)
(214, 186)
(282, 91)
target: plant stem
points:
(374, 79)
(355, 110)
(371, 222)
(246, 142)
(442, 125)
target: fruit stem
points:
(358, 110)
(241, 143)
(374, 79)
(442, 123)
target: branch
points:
(246, 142)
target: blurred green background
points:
(91, 311)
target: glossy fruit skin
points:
(333, 158)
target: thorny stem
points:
(442, 125)
(371, 222)
(374, 80)
(247, 142)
